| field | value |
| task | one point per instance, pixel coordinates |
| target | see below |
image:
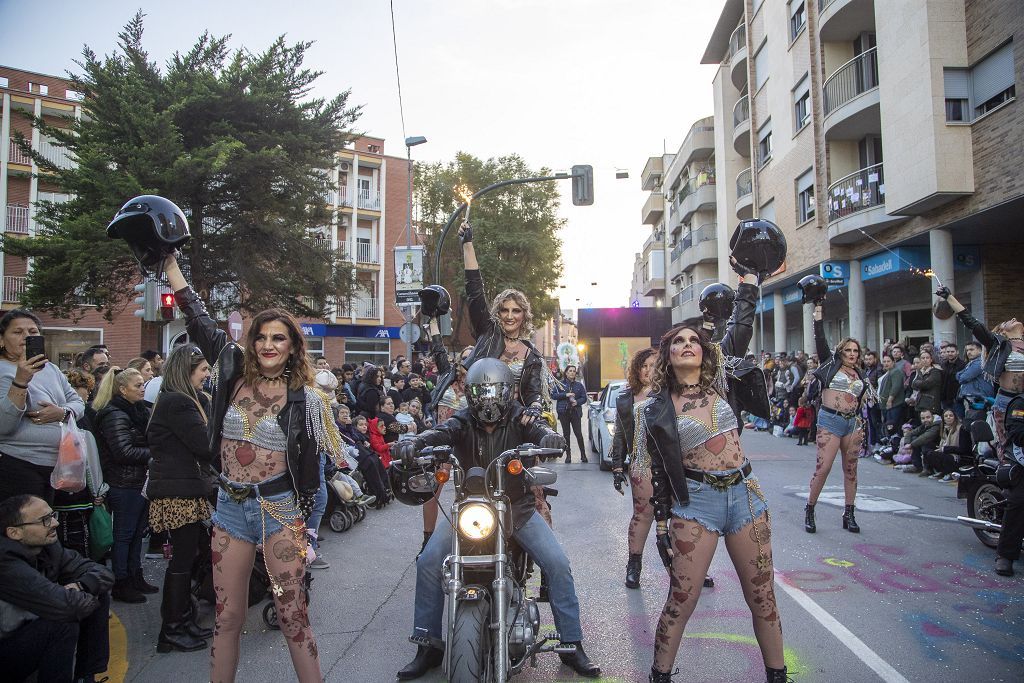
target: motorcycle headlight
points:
(476, 521)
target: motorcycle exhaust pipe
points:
(980, 524)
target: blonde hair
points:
(527, 329)
(114, 380)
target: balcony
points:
(366, 252)
(698, 144)
(14, 287)
(844, 20)
(685, 302)
(344, 197)
(698, 194)
(857, 202)
(55, 154)
(699, 246)
(17, 219)
(741, 126)
(369, 200)
(653, 287)
(650, 179)
(656, 240)
(17, 156)
(738, 57)
(653, 209)
(744, 195)
(851, 99)
(359, 308)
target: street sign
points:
(408, 275)
(235, 325)
(410, 333)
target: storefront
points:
(363, 343)
(63, 344)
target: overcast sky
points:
(559, 82)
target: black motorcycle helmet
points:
(716, 301)
(489, 384)
(759, 245)
(411, 485)
(814, 288)
(434, 301)
(152, 226)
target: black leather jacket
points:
(828, 362)
(179, 446)
(121, 441)
(624, 428)
(302, 458)
(475, 447)
(997, 347)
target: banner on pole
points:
(408, 275)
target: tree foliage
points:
(514, 229)
(234, 138)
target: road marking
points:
(857, 646)
(837, 563)
(864, 502)
(117, 664)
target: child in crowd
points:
(404, 417)
(804, 419)
(791, 428)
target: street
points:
(912, 598)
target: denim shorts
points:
(248, 521)
(836, 424)
(726, 511)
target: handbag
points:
(914, 397)
(101, 533)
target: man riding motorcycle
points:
(490, 425)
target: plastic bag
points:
(69, 472)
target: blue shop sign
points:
(363, 331)
(966, 258)
(314, 329)
(765, 303)
(836, 272)
(888, 263)
(791, 295)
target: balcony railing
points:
(741, 111)
(56, 155)
(17, 156)
(744, 184)
(693, 184)
(366, 252)
(822, 4)
(14, 287)
(738, 39)
(369, 199)
(360, 308)
(344, 196)
(690, 292)
(856, 77)
(17, 219)
(858, 191)
(702, 234)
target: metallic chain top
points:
(266, 433)
(640, 462)
(842, 382)
(516, 366)
(1014, 362)
(693, 431)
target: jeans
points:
(320, 502)
(538, 540)
(129, 510)
(722, 512)
(249, 522)
(894, 419)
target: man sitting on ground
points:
(52, 600)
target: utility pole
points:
(410, 142)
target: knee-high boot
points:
(174, 609)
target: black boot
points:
(427, 658)
(633, 570)
(777, 675)
(124, 591)
(174, 611)
(192, 619)
(139, 583)
(809, 526)
(580, 663)
(849, 522)
(659, 676)
(709, 582)
(542, 594)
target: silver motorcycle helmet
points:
(489, 387)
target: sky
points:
(559, 82)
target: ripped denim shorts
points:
(836, 423)
(723, 511)
(251, 520)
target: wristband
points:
(20, 386)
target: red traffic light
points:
(167, 300)
(167, 306)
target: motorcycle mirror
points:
(542, 476)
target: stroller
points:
(342, 511)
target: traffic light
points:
(582, 185)
(167, 307)
(149, 301)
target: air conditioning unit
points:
(343, 221)
(345, 166)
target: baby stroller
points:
(260, 589)
(342, 511)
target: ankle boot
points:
(809, 525)
(139, 583)
(427, 658)
(174, 610)
(633, 568)
(579, 662)
(659, 676)
(849, 522)
(124, 591)
(777, 675)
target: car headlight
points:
(611, 428)
(476, 521)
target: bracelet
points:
(20, 386)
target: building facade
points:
(882, 138)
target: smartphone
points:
(34, 346)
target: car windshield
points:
(613, 393)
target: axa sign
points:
(382, 333)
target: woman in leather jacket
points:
(839, 426)
(703, 490)
(120, 428)
(1004, 359)
(267, 428)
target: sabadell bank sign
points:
(876, 269)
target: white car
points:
(601, 424)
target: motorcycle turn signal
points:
(514, 467)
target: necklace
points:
(271, 380)
(689, 387)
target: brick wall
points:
(1001, 276)
(19, 80)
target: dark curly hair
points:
(664, 377)
(635, 366)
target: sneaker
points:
(876, 457)
(948, 477)
(955, 476)
(366, 500)
(319, 563)
(937, 475)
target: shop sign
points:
(314, 330)
(363, 331)
(966, 258)
(901, 259)
(835, 272)
(791, 295)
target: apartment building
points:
(369, 193)
(648, 285)
(882, 138)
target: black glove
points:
(739, 268)
(406, 451)
(943, 293)
(618, 479)
(533, 411)
(665, 548)
(552, 440)
(305, 505)
(465, 233)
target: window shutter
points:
(958, 84)
(805, 181)
(993, 74)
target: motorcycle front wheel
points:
(983, 503)
(471, 643)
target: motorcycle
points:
(977, 483)
(493, 627)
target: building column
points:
(779, 321)
(5, 154)
(808, 328)
(940, 243)
(858, 312)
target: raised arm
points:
(820, 343)
(202, 330)
(479, 315)
(741, 324)
(977, 327)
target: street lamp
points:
(410, 142)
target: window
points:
(767, 211)
(74, 95)
(764, 144)
(797, 18)
(971, 93)
(760, 67)
(4, 83)
(367, 351)
(805, 196)
(38, 88)
(801, 104)
(314, 347)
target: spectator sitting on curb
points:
(53, 601)
(926, 435)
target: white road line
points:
(857, 646)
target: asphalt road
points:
(911, 598)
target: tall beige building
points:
(883, 138)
